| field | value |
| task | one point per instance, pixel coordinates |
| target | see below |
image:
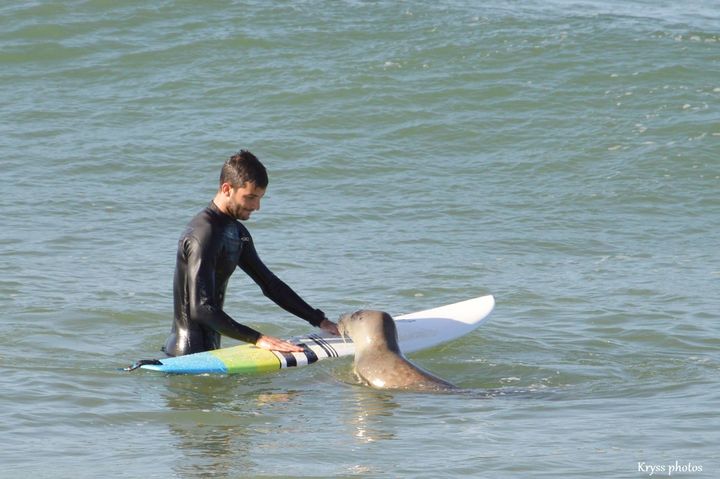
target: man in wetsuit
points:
(212, 246)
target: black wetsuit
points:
(209, 250)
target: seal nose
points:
(342, 324)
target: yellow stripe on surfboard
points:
(247, 358)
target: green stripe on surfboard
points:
(247, 358)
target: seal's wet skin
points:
(378, 359)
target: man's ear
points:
(225, 188)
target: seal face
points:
(378, 359)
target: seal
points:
(378, 359)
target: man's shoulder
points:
(200, 227)
(243, 232)
(207, 224)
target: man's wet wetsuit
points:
(210, 249)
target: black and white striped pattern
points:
(316, 348)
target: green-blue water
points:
(561, 155)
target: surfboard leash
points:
(143, 362)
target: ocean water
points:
(563, 156)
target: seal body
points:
(378, 359)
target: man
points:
(212, 246)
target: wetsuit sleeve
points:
(201, 291)
(275, 289)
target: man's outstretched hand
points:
(275, 344)
(329, 327)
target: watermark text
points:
(651, 469)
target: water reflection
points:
(367, 414)
(218, 424)
(211, 451)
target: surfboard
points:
(416, 331)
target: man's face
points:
(244, 200)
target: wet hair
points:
(243, 167)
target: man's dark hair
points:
(243, 167)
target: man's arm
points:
(279, 292)
(201, 292)
(204, 309)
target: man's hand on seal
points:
(275, 344)
(329, 327)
